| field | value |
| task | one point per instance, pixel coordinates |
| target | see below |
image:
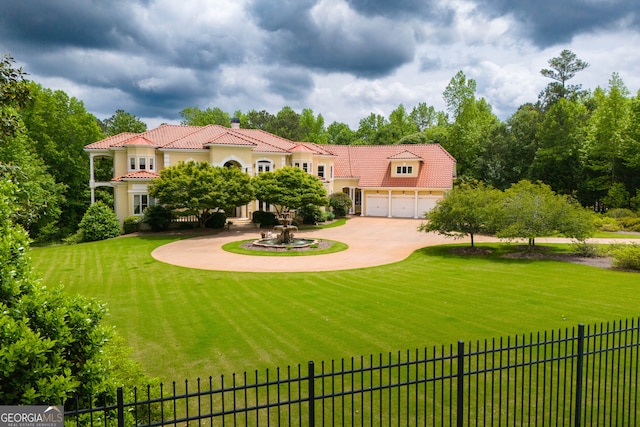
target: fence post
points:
(120, 401)
(460, 377)
(579, 368)
(312, 394)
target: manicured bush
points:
(158, 217)
(340, 203)
(98, 223)
(626, 256)
(620, 213)
(264, 218)
(329, 216)
(217, 220)
(131, 224)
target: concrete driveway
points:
(372, 241)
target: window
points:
(140, 203)
(264, 166)
(151, 163)
(132, 163)
(305, 167)
(142, 162)
(321, 171)
(404, 170)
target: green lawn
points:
(187, 323)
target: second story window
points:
(404, 170)
(321, 171)
(142, 163)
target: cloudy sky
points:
(342, 58)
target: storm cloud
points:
(342, 58)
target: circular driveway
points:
(372, 241)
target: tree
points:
(560, 139)
(201, 189)
(122, 121)
(290, 188)
(58, 128)
(562, 68)
(313, 128)
(531, 210)
(340, 134)
(287, 125)
(14, 94)
(194, 116)
(257, 120)
(466, 210)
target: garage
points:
(377, 205)
(403, 206)
(425, 204)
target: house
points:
(389, 181)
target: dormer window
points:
(404, 170)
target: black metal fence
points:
(576, 377)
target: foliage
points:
(264, 218)
(201, 189)
(329, 216)
(59, 127)
(465, 210)
(194, 116)
(617, 196)
(289, 188)
(620, 213)
(561, 69)
(340, 202)
(531, 210)
(14, 95)
(604, 223)
(50, 343)
(311, 214)
(122, 121)
(98, 223)
(217, 220)
(626, 256)
(131, 224)
(158, 217)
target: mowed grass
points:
(187, 323)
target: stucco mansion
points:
(390, 181)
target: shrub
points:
(131, 224)
(98, 223)
(605, 223)
(311, 214)
(620, 213)
(340, 203)
(264, 218)
(626, 256)
(629, 223)
(158, 217)
(217, 220)
(584, 249)
(329, 216)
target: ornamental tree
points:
(290, 188)
(531, 210)
(201, 189)
(465, 210)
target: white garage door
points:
(425, 204)
(377, 206)
(402, 206)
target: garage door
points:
(402, 207)
(377, 206)
(425, 204)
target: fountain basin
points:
(276, 243)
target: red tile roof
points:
(143, 175)
(372, 165)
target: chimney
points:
(235, 123)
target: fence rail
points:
(584, 376)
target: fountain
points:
(286, 237)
